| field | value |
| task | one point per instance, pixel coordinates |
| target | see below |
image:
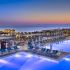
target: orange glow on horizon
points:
(47, 18)
(61, 18)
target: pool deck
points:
(63, 54)
(9, 53)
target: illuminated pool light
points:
(67, 59)
(3, 61)
(29, 55)
(17, 55)
(50, 60)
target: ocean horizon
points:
(32, 28)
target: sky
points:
(28, 12)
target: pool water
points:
(27, 61)
(64, 46)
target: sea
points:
(34, 27)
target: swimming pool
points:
(27, 61)
(63, 45)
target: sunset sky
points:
(34, 11)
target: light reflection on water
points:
(64, 46)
